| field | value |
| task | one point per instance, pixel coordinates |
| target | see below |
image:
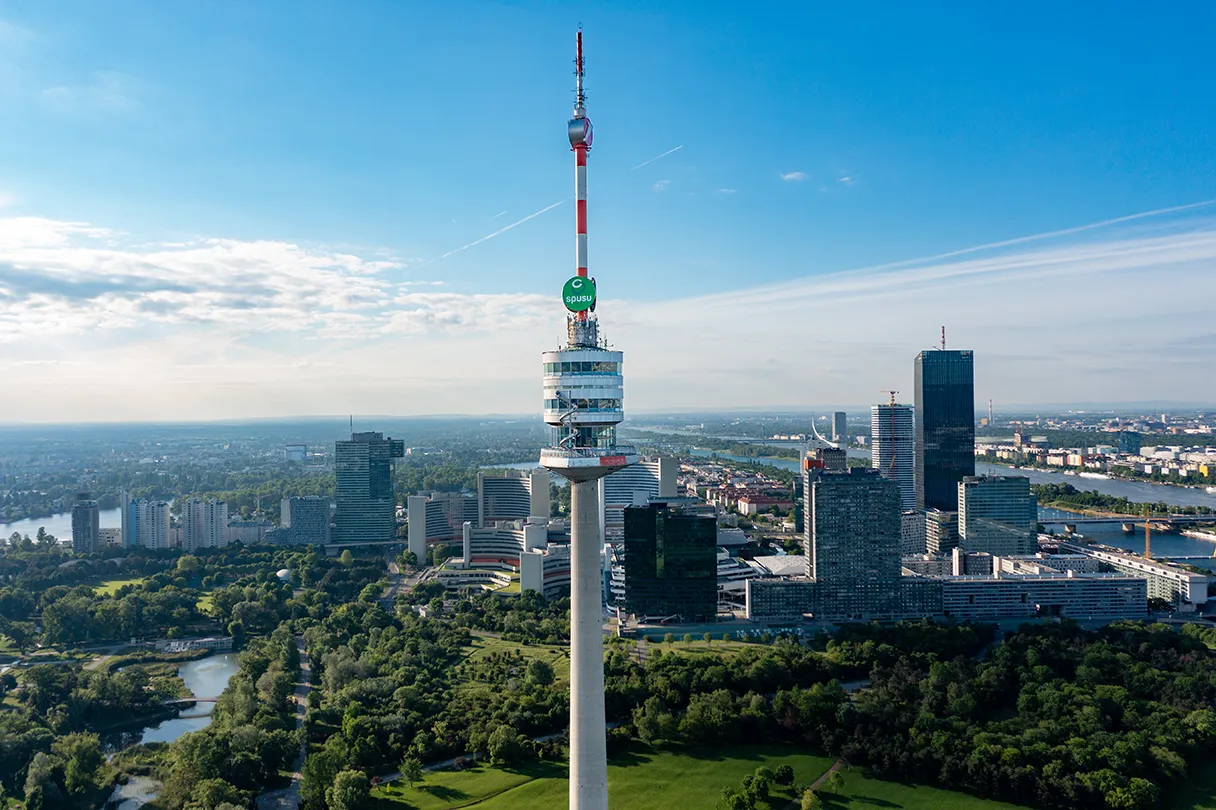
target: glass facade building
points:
(945, 426)
(365, 508)
(671, 563)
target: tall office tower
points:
(127, 521)
(149, 522)
(840, 427)
(893, 448)
(945, 426)
(86, 524)
(518, 495)
(997, 514)
(635, 485)
(306, 520)
(204, 524)
(583, 397)
(671, 563)
(853, 543)
(366, 510)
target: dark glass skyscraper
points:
(671, 563)
(945, 426)
(365, 508)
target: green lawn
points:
(111, 586)
(204, 604)
(1197, 791)
(860, 791)
(559, 657)
(645, 780)
(667, 780)
(699, 646)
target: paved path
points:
(822, 780)
(288, 798)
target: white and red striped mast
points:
(580, 144)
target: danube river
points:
(59, 525)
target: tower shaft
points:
(588, 735)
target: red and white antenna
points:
(580, 143)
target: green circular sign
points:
(579, 294)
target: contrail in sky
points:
(656, 157)
(500, 231)
(1050, 234)
(499, 214)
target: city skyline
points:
(217, 283)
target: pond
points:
(205, 677)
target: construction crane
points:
(892, 393)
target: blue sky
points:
(230, 141)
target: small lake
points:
(206, 677)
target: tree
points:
(810, 801)
(346, 557)
(836, 781)
(688, 638)
(349, 791)
(214, 794)
(669, 638)
(505, 747)
(411, 770)
(708, 637)
(726, 636)
(784, 775)
(540, 672)
(82, 754)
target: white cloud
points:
(108, 91)
(661, 185)
(218, 328)
(793, 177)
(846, 180)
(726, 191)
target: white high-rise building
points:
(150, 521)
(518, 495)
(893, 448)
(652, 477)
(204, 524)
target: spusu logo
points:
(579, 294)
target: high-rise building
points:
(941, 531)
(893, 448)
(295, 452)
(853, 543)
(1128, 442)
(945, 426)
(831, 459)
(671, 563)
(517, 495)
(145, 523)
(635, 485)
(438, 518)
(305, 520)
(840, 427)
(998, 515)
(204, 524)
(366, 510)
(86, 525)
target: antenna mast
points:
(943, 338)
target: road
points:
(289, 797)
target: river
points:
(206, 677)
(59, 525)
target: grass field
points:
(559, 657)
(1198, 791)
(111, 586)
(699, 647)
(204, 604)
(667, 780)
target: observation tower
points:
(583, 390)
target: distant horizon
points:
(824, 412)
